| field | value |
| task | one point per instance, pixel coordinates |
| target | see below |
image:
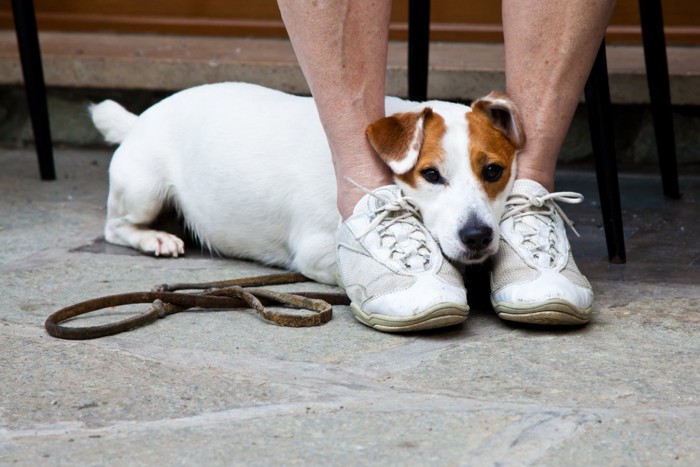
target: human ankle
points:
(349, 194)
(541, 177)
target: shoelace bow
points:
(405, 240)
(519, 206)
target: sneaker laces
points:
(535, 218)
(397, 222)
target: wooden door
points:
(451, 20)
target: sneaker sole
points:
(438, 316)
(551, 312)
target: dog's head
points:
(458, 164)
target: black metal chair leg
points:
(30, 56)
(418, 48)
(659, 93)
(597, 93)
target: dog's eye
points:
(432, 176)
(492, 172)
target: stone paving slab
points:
(226, 388)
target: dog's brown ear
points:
(398, 139)
(504, 116)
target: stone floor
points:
(226, 388)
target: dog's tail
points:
(112, 120)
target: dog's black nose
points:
(476, 236)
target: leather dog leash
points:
(237, 293)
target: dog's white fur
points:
(250, 171)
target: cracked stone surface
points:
(227, 388)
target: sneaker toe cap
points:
(426, 292)
(548, 286)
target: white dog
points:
(250, 171)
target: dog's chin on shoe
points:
(466, 256)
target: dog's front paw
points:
(162, 244)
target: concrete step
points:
(138, 70)
(457, 70)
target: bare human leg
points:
(550, 47)
(341, 46)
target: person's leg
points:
(341, 46)
(550, 47)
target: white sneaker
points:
(393, 270)
(534, 277)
